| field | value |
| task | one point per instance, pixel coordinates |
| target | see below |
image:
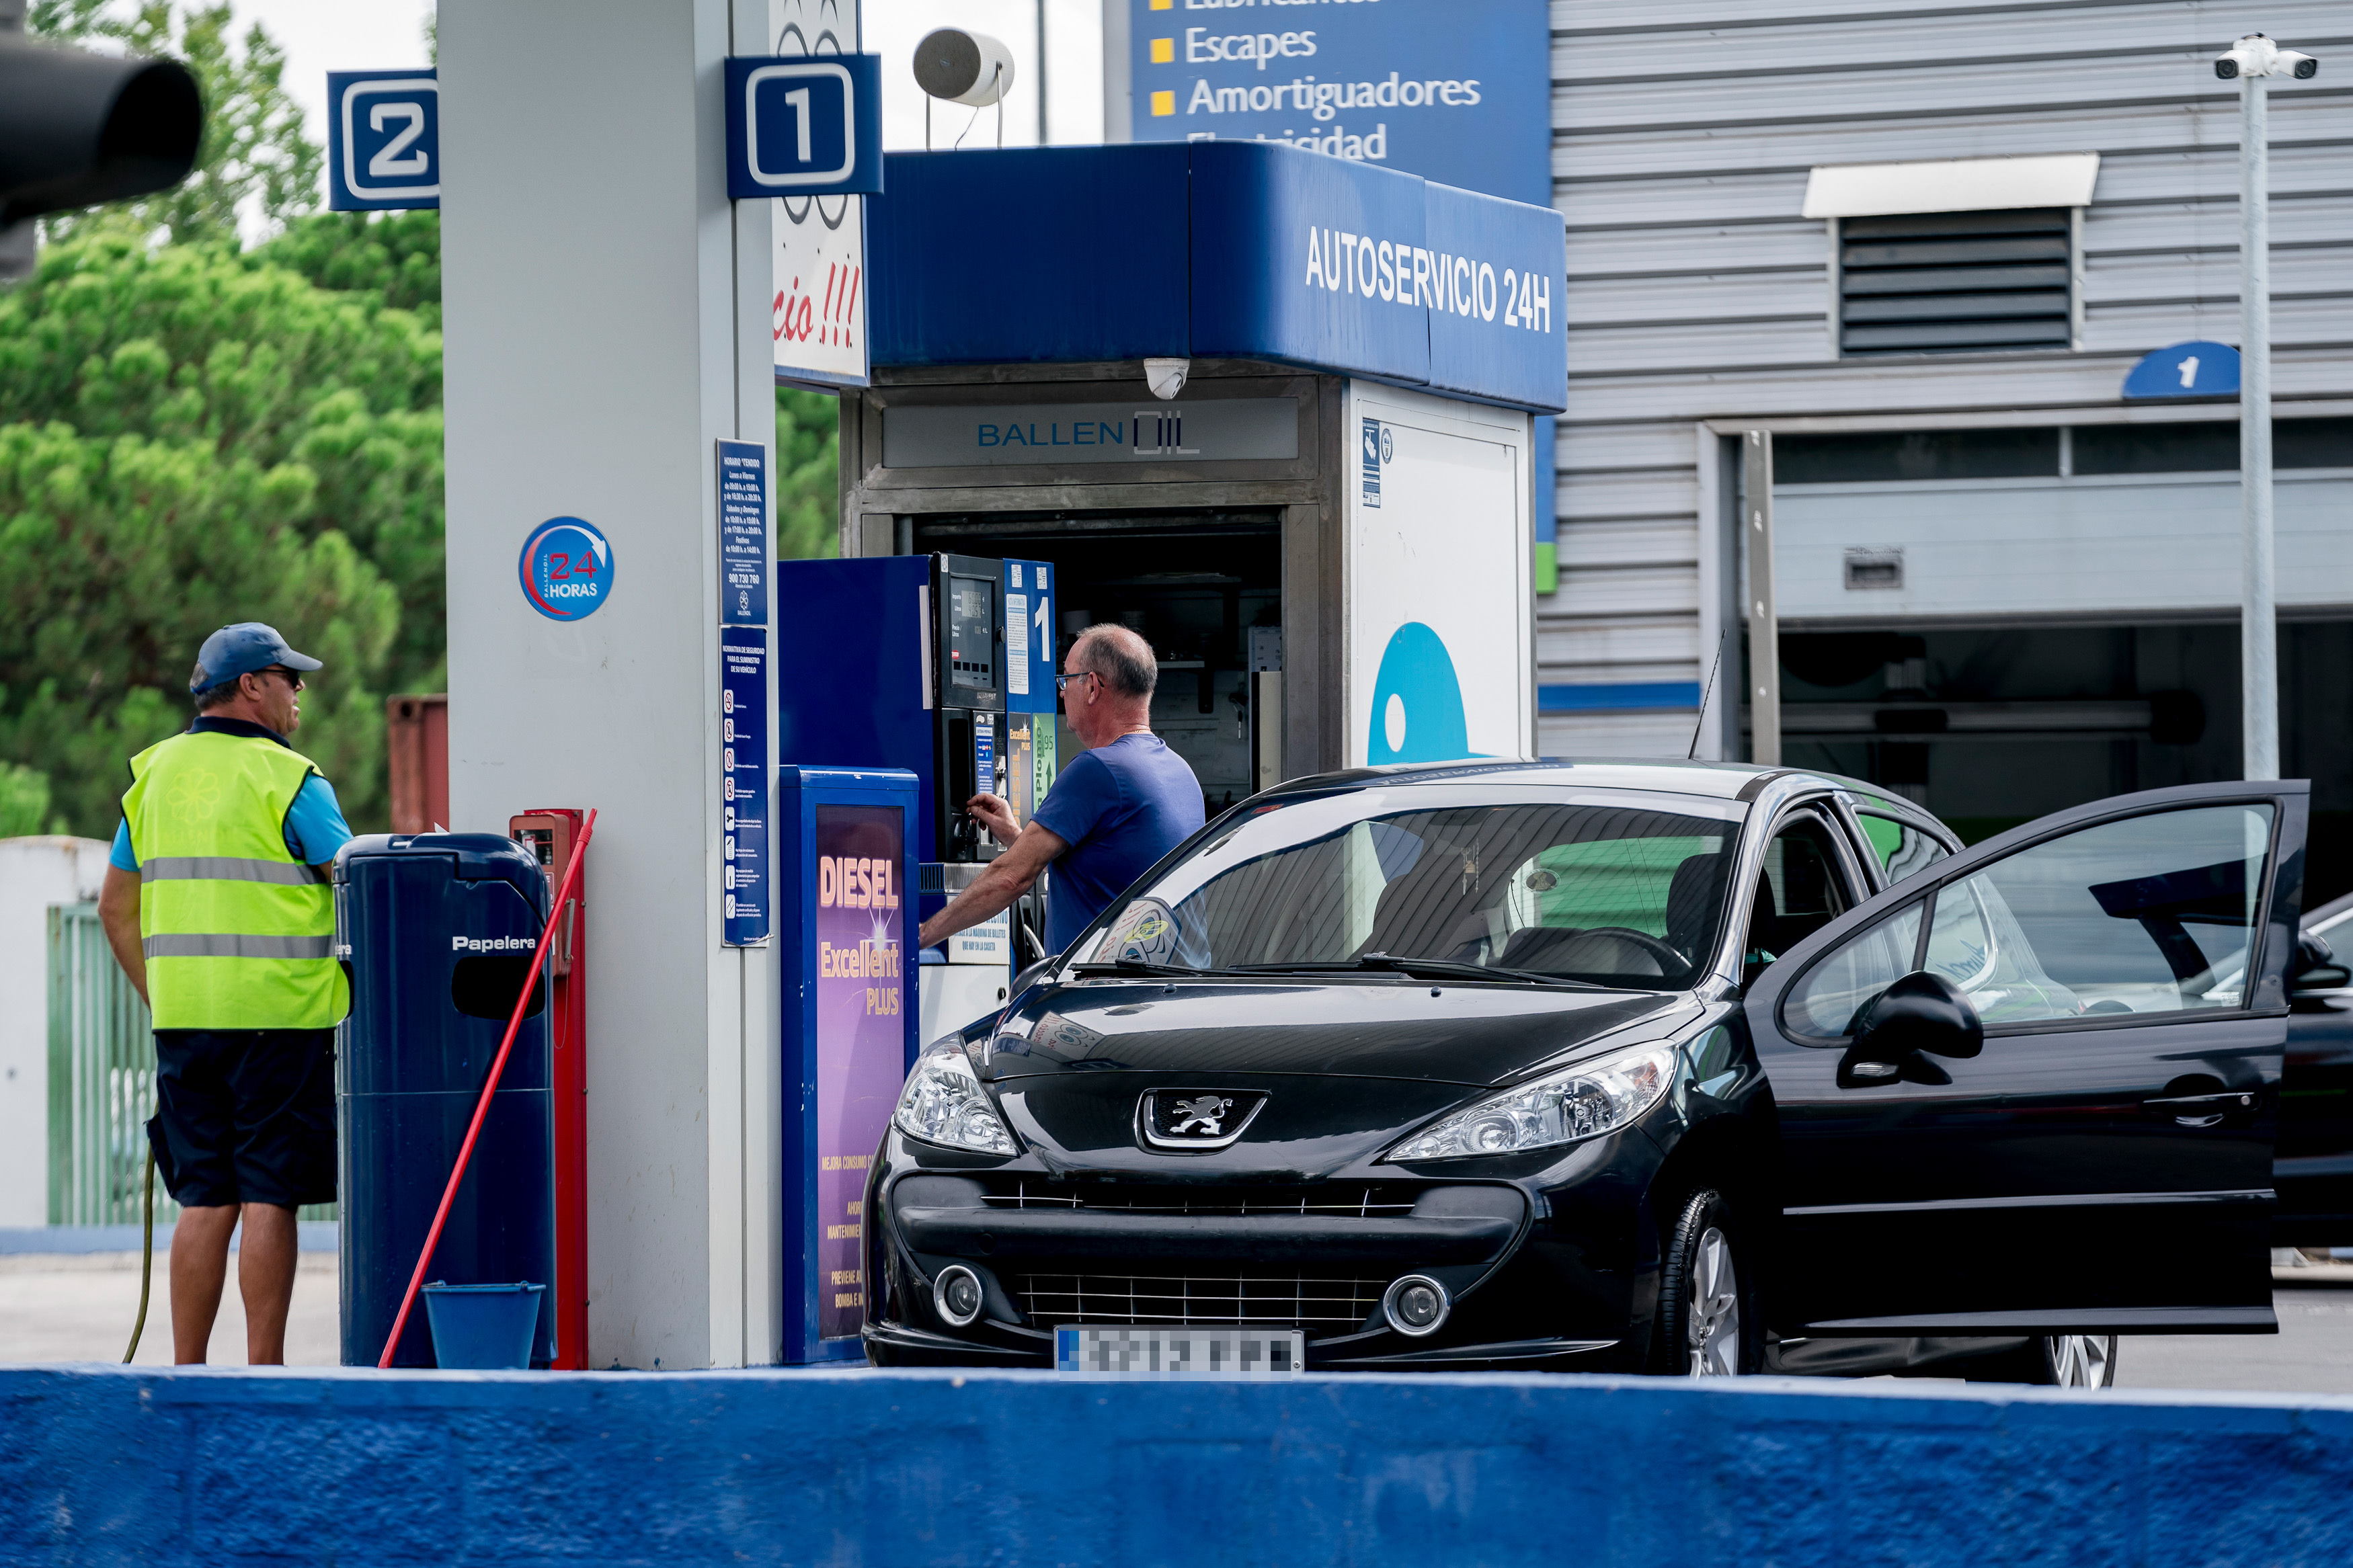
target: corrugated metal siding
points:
(1696, 291)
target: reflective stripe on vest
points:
(234, 946)
(227, 869)
(238, 934)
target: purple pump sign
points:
(862, 998)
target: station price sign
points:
(384, 140)
(743, 533)
(745, 892)
(746, 878)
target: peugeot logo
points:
(1200, 1115)
(1196, 1118)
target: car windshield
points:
(1613, 894)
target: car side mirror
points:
(1031, 975)
(2317, 968)
(1920, 1014)
(2325, 977)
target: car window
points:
(1835, 990)
(1902, 848)
(1613, 894)
(2150, 914)
(1800, 889)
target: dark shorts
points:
(245, 1116)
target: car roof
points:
(1715, 781)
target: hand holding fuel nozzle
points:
(994, 815)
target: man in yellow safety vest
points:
(217, 905)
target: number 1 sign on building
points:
(805, 132)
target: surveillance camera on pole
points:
(2250, 62)
(2256, 54)
(78, 129)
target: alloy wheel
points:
(1712, 1323)
(2083, 1361)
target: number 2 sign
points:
(384, 140)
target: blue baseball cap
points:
(244, 649)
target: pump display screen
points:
(972, 632)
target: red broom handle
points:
(482, 1106)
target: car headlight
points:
(943, 1103)
(1576, 1102)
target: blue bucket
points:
(483, 1326)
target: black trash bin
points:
(437, 929)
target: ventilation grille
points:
(1954, 282)
(1277, 1300)
(1359, 1200)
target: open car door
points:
(2033, 1088)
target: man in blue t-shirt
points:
(1119, 806)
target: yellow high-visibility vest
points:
(238, 932)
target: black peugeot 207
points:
(1681, 1068)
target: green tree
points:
(394, 258)
(808, 451)
(196, 437)
(24, 801)
(254, 148)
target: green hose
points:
(146, 1259)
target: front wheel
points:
(1707, 1324)
(2053, 1360)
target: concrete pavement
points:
(56, 1307)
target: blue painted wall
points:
(105, 1465)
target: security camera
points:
(1167, 376)
(963, 68)
(2256, 56)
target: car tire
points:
(1707, 1324)
(2053, 1361)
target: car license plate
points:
(1219, 1355)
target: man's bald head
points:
(1121, 658)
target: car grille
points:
(1293, 1300)
(1363, 1200)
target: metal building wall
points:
(1682, 134)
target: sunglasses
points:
(1062, 682)
(293, 677)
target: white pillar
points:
(606, 318)
(2258, 616)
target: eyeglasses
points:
(1062, 682)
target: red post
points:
(552, 833)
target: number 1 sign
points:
(804, 126)
(384, 140)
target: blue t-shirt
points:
(314, 826)
(1120, 807)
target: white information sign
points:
(818, 306)
(1441, 616)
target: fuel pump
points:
(1032, 661)
(904, 661)
(969, 685)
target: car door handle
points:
(2201, 1110)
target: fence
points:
(101, 1081)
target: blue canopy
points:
(1215, 250)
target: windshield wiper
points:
(1138, 966)
(1377, 963)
